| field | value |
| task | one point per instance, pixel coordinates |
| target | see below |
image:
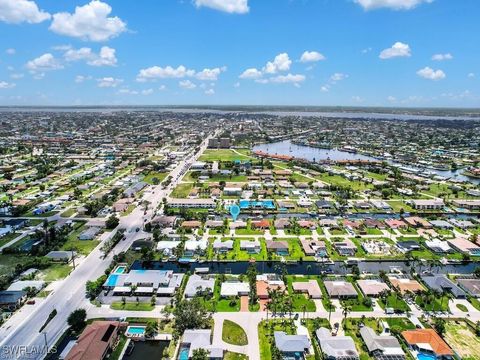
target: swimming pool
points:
(135, 330)
(423, 356)
(265, 204)
(112, 280)
(183, 353)
(120, 270)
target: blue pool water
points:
(265, 204)
(112, 280)
(136, 330)
(422, 356)
(183, 354)
(120, 270)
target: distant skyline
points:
(400, 53)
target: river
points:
(286, 147)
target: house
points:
(192, 203)
(232, 191)
(381, 347)
(167, 247)
(395, 224)
(164, 221)
(416, 221)
(122, 204)
(464, 246)
(291, 346)
(340, 289)
(373, 223)
(90, 233)
(65, 256)
(193, 247)
(213, 224)
(238, 224)
(135, 189)
(405, 285)
(15, 224)
(441, 224)
(191, 224)
(282, 223)
(197, 282)
(234, 288)
(266, 282)
(22, 284)
(462, 224)
(372, 287)
(307, 224)
(12, 299)
(329, 223)
(438, 246)
(470, 285)
(442, 283)
(309, 287)
(250, 246)
(200, 339)
(278, 247)
(435, 204)
(345, 247)
(336, 347)
(222, 246)
(427, 341)
(261, 224)
(467, 204)
(96, 341)
(408, 245)
(314, 248)
(324, 205)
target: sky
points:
(399, 53)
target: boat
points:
(202, 270)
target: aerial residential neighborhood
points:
(239, 180)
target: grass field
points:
(83, 247)
(56, 272)
(131, 306)
(155, 175)
(232, 333)
(462, 339)
(182, 190)
(234, 356)
(222, 155)
(7, 238)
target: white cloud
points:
(127, 91)
(311, 56)
(10, 51)
(210, 92)
(210, 74)
(106, 57)
(108, 82)
(281, 63)
(17, 76)
(338, 77)
(162, 88)
(290, 78)
(44, 62)
(81, 78)
(366, 50)
(157, 72)
(251, 73)
(147, 92)
(398, 49)
(430, 74)
(19, 11)
(6, 85)
(229, 6)
(83, 53)
(471, 75)
(442, 57)
(89, 22)
(391, 98)
(325, 88)
(187, 84)
(357, 99)
(391, 4)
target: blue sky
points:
(416, 53)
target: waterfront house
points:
(340, 289)
(314, 248)
(222, 247)
(309, 287)
(278, 247)
(199, 339)
(427, 341)
(372, 287)
(405, 285)
(234, 288)
(465, 246)
(250, 246)
(197, 283)
(434, 204)
(345, 247)
(443, 283)
(470, 285)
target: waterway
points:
(316, 154)
(306, 267)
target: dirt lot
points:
(461, 338)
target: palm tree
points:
(345, 311)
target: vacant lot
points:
(222, 155)
(461, 338)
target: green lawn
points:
(56, 272)
(68, 213)
(395, 302)
(234, 356)
(352, 329)
(131, 306)
(399, 324)
(436, 304)
(155, 175)
(9, 237)
(182, 190)
(222, 155)
(265, 335)
(232, 333)
(300, 301)
(83, 247)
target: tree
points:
(151, 328)
(439, 325)
(189, 314)
(200, 354)
(76, 319)
(252, 281)
(112, 222)
(477, 328)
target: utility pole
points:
(73, 259)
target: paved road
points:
(71, 295)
